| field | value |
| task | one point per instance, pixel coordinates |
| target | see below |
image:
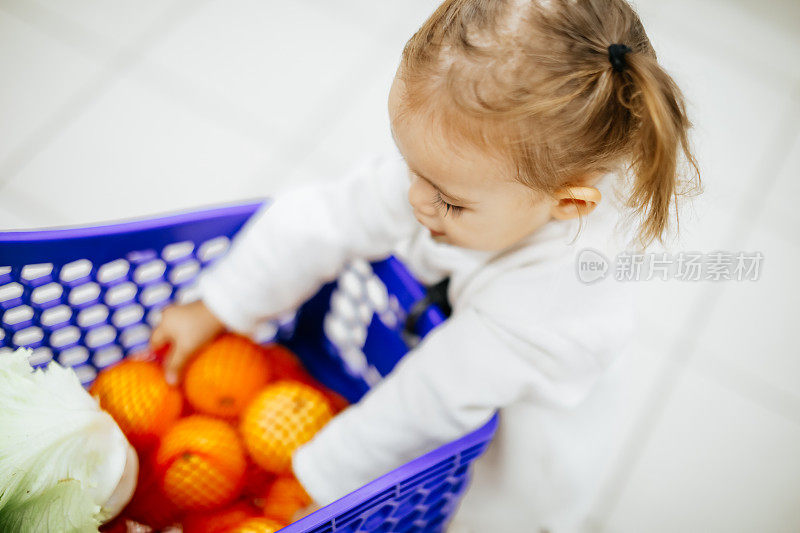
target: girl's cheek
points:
(463, 232)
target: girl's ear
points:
(572, 202)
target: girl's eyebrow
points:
(453, 197)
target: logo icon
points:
(591, 266)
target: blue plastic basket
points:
(87, 297)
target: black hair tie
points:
(616, 54)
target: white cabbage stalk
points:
(64, 463)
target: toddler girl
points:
(512, 119)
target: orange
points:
(283, 417)
(225, 375)
(123, 525)
(138, 397)
(149, 504)
(256, 482)
(285, 365)
(258, 525)
(284, 498)
(117, 525)
(219, 521)
(202, 463)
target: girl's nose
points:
(420, 196)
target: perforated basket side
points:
(417, 497)
(350, 335)
(352, 332)
(89, 296)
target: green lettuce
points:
(61, 456)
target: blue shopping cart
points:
(87, 297)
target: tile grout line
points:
(332, 118)
(121, 61)
(676, 366)
(739, 380)
(210, 105)
(331, 114)
(330, 110)
(327, 117)
(768, 72)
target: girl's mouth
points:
(435, 233)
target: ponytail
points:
(659, 141)
(538, 83)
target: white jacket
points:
(525, 337)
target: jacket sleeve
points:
(287, 250)
(450, 384)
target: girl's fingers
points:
(158, 338)
(162, 351)
(172, 365)
(171, 374)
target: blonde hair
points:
(532, 80)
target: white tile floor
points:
(110, 110)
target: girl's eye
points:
(448, 207)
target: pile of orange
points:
(136, 394)
(225, 376)
(283, 417)
(220, 461)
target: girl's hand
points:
(302, 513)
(185, 328)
